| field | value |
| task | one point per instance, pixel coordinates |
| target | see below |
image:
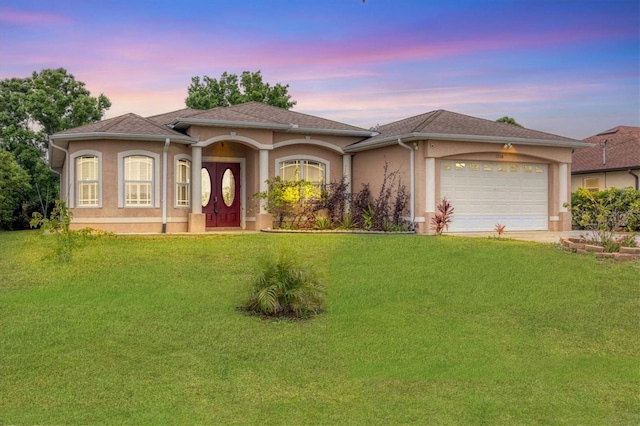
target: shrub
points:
(286, 288)
(383, 212)
(609, 209)
(606, 212)
(58, 225)
(322, 223)
(440, 222)
(292, 203)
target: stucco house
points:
(193, 170)
(613, 160)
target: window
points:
(87, 180)
(309, 170)
(138, 180)
(183, 178)
(592, 184)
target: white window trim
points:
(177, 158)
(73, 185)
(155, 203)
(327, 171)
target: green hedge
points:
(595, 209)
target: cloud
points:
(31, 18)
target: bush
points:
(286, 288)
(612, 209)
(58, 225)
(440, 222)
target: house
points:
(193, 170)
(613, 160)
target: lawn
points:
(419, 330)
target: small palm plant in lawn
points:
(287, 288)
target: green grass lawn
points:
(419, 330)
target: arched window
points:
(309, 170)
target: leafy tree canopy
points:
(508, 120)
(14, 184)
(230, 89)
(32, 108)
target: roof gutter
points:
(121, 136)
(635, 176)
(415, 136)
(227, 123)
(66, 158)
(167, 142)
(413, 185)
(290, 127)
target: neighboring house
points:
(136, 174)
(612, 162)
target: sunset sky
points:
(568, 67)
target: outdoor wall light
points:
(507, 145)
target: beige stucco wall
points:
(109, 216)
(368, 167)
(606, 180)
(218, 144)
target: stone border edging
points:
(579, 245)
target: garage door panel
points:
(486, 193)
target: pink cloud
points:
(21, 17)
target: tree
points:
(230, 89)
(14, 184)
(508, 120)
(31, 109)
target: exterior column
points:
(430, 169)
(263, 173)
(197, 221)
(563, 193)
(196, 179)
(430, 194)
(346, 170)
(564, 189)
(263, 219)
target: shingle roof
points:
(622, 151)
(451, 123)
(256, 113)
(128, 124)
(168, 117)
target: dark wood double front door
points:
(221, 194)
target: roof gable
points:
(621, 146)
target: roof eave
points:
(183, 123)
(336, 132)
(415, 136)
(605, 170)
(290, 128)
(121, 136)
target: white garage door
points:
(484, 194)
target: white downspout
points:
(66, 162)
(413, 185)
(167, 142)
